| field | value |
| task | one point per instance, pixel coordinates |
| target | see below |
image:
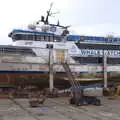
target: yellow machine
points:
(36, 98)
(117, 91)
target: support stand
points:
(51, 81)
(105, 69)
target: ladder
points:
(60, 56)
(74, 83)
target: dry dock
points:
(58, 109)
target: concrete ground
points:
(58, 109)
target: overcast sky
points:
(86, 17)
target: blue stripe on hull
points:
(41, 72)
(9, 71)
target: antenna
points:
(58, 23)
(48, 14)
(46, 21)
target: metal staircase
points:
(62, 59)
(74, 83)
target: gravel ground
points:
(58, 109)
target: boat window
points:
(46, 38)
(96, 60)
(1, 50)
(42, 38)
(35, 37)
(57, 39)
(30, 37)
(17, 37)
(89, 60)
(38, 38)
(98, 46)
(9, 50)
(21, 51)
(23, 37)
(113, 60)
(51, 38)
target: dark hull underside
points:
(60, 79)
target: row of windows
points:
(98, 46)
(96, 60)
(35, 37)
(113, 60)
(77, 37)
(17, 51)
(88, 60)
(18, 69)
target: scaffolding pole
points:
(105, 68)
(51, 81)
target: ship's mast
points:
(45, 20)
(48, 14)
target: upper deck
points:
(32, 35)
(35, 35)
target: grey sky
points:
(87, 17)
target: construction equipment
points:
(51, 94)
(118, 90)
(77, 94)
(36, 98)
(115, 92)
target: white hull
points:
(43, 67)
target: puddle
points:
(44, 109)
